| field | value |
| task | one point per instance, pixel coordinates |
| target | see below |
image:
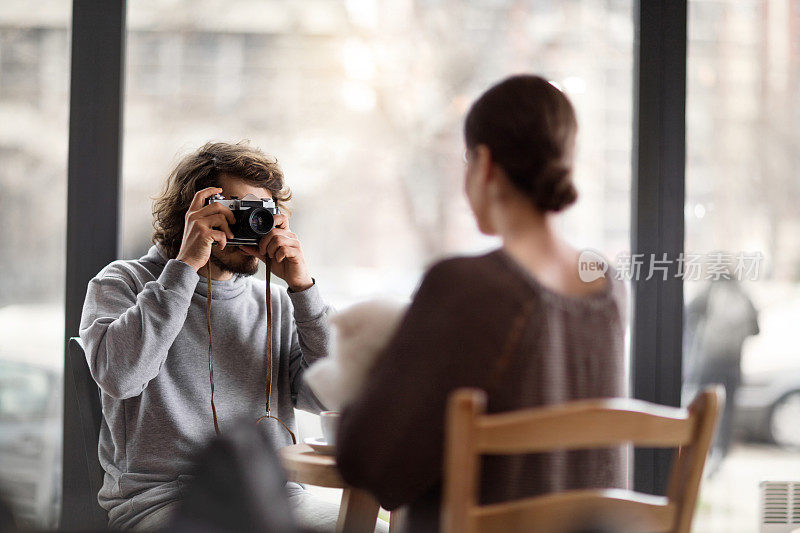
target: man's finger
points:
(273, 245)
(211, 209)
(264, 242)
(286, 252)
(219, 238)
(280, 241)
(216, 220)
(281, 221)
(275, 232)
(200, 197)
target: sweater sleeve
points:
(391, 438)
(126, 335)
(310, 337)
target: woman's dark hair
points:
(529, 127)
(204, 168)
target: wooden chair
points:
(82, 474)
(579, 425)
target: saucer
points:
(319, 445)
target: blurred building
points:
(743, 130)
(361, 101)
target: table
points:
(359, 509)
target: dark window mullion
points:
(657, 217)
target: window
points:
(743, 142)
(34, 88)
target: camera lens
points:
(261, 221)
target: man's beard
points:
(234, 261)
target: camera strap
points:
(210, 351)
(268, 388)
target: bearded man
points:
(147, 327)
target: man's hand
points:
(283, 248)
(204, 226)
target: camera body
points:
(255, 217)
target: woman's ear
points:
(489, 175)
(483, 164)
(479, 184)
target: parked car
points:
(30, 442)
(31, 367)
(768, 407)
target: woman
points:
(518, 323)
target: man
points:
(146, 338)
(717, 323)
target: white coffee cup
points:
(329, 420)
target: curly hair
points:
(203, 169)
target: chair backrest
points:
(82, 473)
(583, 424)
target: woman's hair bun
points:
(554, 188)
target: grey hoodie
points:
(144, 332)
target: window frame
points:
(93, 194)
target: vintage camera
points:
(255, 217)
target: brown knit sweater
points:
(484, 322)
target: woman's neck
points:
(526, 233)
(533, 242)
(530, 238)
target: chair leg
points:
(358, 512)
(397, 519)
